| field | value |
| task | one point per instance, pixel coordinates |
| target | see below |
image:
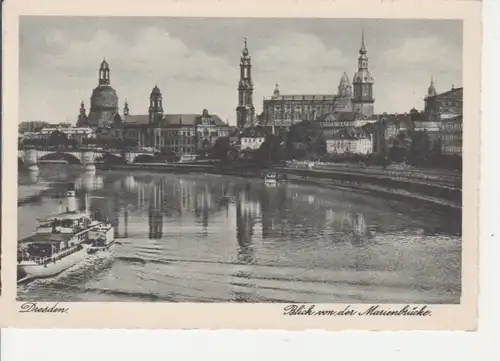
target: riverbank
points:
(443, 192)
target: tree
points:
(221, 148)
(400, 147)
(305, 140)
(270, 149)
(420, 148)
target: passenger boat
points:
(61, 241)
(270, 178)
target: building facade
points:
(350, 141)
(78, 134)
(280, 111)
(448, 104)
(451, 138)
(183, 134)
(245, 111)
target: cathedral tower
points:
(155, 105)
(363, 84)
(245, 110)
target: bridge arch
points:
(144, 158)
(110, 158)
(70, 158)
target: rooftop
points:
(46, 238)
(65, 215)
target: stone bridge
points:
(86, 157)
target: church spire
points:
(432, 90)
(363, 99)
(83, 112)
(82, 115)
(362, 50)
(126, 110)
(104, 73)
(245, 109)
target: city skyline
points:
(195, 62)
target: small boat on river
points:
(270, 179)
(273, 178)
(61, 241)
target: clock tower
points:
(363, 99)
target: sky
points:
(195, 61)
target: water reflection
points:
(287, 212)
(34, 176)
(203, 237)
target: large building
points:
(282, 110)
(103, 102)
(180, 133)
(245, 111)
(439, 106)
(446, 111)
(352, 140)
(183, 134)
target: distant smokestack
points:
(71, 198)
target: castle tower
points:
(155, 105)
(245, 110)
(126, 110)
(363, 100)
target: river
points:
(209, 238)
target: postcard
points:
(217, 165)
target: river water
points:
(208, 238)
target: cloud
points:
(189, 78)
(299, 63)
(62, 70)
(424, 53)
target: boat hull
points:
(32, 271)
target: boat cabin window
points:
(67, 223)
(37, 250)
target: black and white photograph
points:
(250, 160)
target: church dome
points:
(104, 97)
